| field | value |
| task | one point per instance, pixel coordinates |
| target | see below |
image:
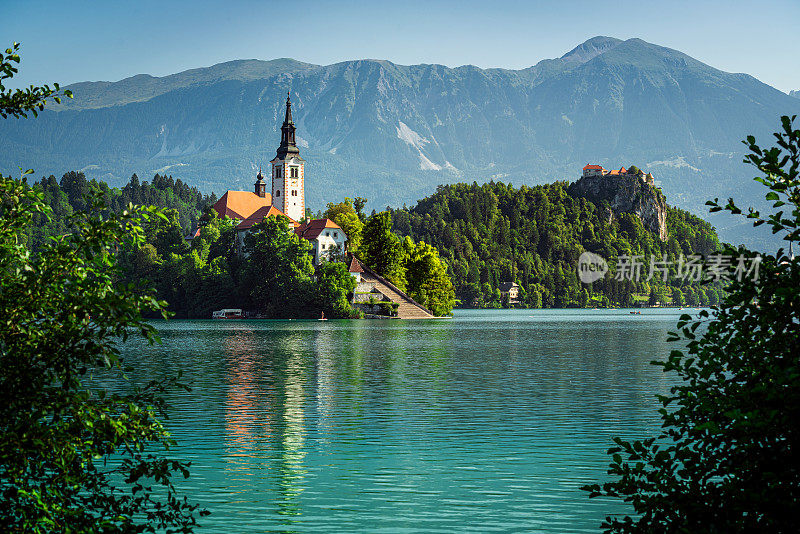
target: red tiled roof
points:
(614, 172)
(591, 167)
(241, 204)
(355, 266)
(261, 214)
(312, 229)
(623, 170)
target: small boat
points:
(228, 313)
(322, 318)
(635, 313)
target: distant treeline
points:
(69, 194)
(493, 233)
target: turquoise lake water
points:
(487, 422)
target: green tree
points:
(677, 297)
(427, 279)
(535, 299)
(333, 291)
(278, 269)
(726, 460)
(358, 205)
(381, 249)
(63, 316)
(347, 218)
(633, 169)
(20, 102)
(658, 295)
(584, 298)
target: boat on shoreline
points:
(228, 313)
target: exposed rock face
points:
(626, 193)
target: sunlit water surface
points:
(488, 422)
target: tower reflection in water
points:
(265, 417)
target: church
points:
(285, 198)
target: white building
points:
(326, 237)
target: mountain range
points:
(392, 133)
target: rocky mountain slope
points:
(392, 132)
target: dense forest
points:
(493, 233)
(69, 195)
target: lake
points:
(487, 422)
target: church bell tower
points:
(288, 180)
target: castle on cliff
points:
(596, 171)
(625, 191)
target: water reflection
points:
(291, 471)
(490, 421)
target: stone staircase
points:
(407, 308)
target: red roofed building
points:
(260, 215)
(254, 206)
(286, 200)
(591, 170)
(355, 269)
(241, 204)
(195, 233)
(326, 237)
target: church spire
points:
(287, 146)
(288, 118)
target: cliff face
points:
(626, 193)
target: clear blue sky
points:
(110, 40)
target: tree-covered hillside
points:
(494, 233)
(69, 195)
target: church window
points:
(278, 193)
(293, 171)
